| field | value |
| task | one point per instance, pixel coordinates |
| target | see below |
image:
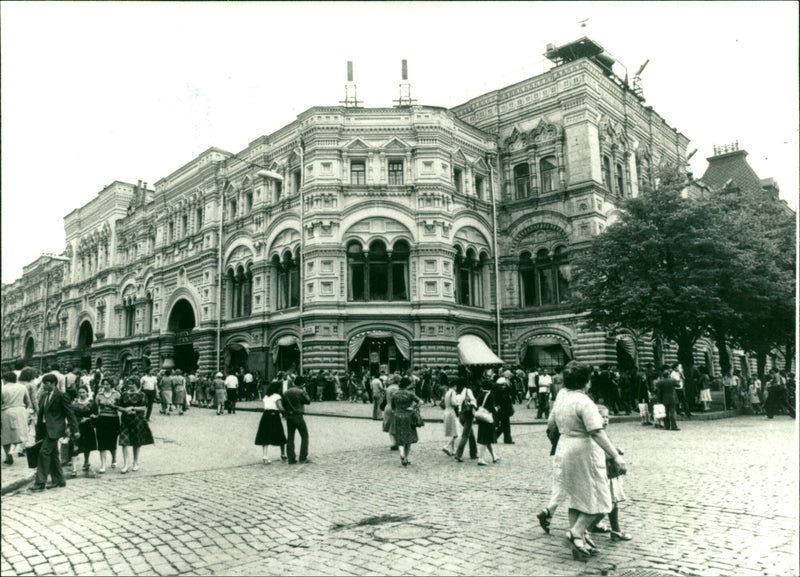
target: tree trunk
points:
(724, 357)
(686, 359)
(761, 363)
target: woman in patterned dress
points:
(106, 424)
(134, 432)
(404, 403)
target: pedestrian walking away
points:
(294, 400)
(270, 428)
(15, 404)
(405, 404)
(466, 416)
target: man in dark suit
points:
(54, 415)
(665, 394)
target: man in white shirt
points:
(533, 381)
(543, 395)
(677, 374)
(232, 389)
(248, 387)
(149, 383)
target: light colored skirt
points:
(705, 395)
(581, 465)
(450, 423)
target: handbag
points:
(612, 469)
(416, 418)
(482, 414)
(659, 411)
(32, 454)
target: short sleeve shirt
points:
(575, 414)
(232, 382)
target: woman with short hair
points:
(220, 393)
(404, 429)
(85, 410)
(579, 464)
(270, 428)
(134, 432)
(106, 422)
(487, 433)
(15, 403)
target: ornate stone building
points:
(359, 237)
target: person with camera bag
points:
(466, 415)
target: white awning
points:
(269, 174)
(287, 341)
(472, 350)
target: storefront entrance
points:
(85, 339)
(181, 322)
(377, 351)
(236, 358)
(546, 353)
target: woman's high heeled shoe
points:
(590, 546)
(544, 517)
(579, 550)
(620, 536)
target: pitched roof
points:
(731, 166)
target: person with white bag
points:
(485, 416)
(665, 395)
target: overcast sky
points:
(96, 92)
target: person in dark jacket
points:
(665, 394)
(504, 397)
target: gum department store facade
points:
(359, 237)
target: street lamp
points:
(50, 258)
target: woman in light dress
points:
(388, 412)
(14, 417)
(579, 467)
(451, 404)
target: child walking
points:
(617, 495)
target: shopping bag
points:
(659, 411)
(32, 454)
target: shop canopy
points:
(401, 342)
(472, 350)
(546, 341)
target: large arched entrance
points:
(626, 354)
(546, 352)
(285, 354)
(180, 324)
(29, 350)
(236, 356)
(375, 351)
(85, 340)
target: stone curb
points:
(18, 484)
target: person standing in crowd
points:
(543, 395)
(578, 465)
(665, 394)
(85, 410)
(166, 392)
(754, 390)
(247, 386)
(294, 400)
(376, 386)
(388, 412)
(232, 388)
(27, 378)
(504, 398)
(533, 386)
(54, 416)
(776, 395)
(450, 418)
(404, 403)
(14, 415)
(106, 423)
(705, 389)
(466, 415)
(179, 391)
(149, 387)
(270, 428)
(676, 374)
(134, 432)
(486, 431)
(220, 393)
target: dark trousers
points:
(683, 404)
(232, 395)
(671, 420)
(504, 425)
(150, 397)
(543, 406)
(467, 435)
(296, 423)
(49, 463)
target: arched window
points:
(287, 280)
(620, 177)
(522, 180)
(130, 317)
(607, 172)
(549, 173)
(544, 280)
(148, 313)
(378, 274)
(469, 278)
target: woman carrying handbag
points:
(485, 416)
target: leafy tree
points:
(656, 269)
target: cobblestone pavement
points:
(716, 498)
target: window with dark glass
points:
(395, 172)
(564, 274)
(544, 280)
(549, 172)
(358, 172)
(171, 233)
(479, 187)
(458, 179)
(527, 276)
(248, 202)
(522, 181)
(378, 274)
(620, 174)
(199, 218)
(287, 273)
(468, 271)
(232, 208)
(607, 172)
(545, 270)
(185, 224)
(278, 190)
(297, 180)
(240, 290)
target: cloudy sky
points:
(96, 92)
